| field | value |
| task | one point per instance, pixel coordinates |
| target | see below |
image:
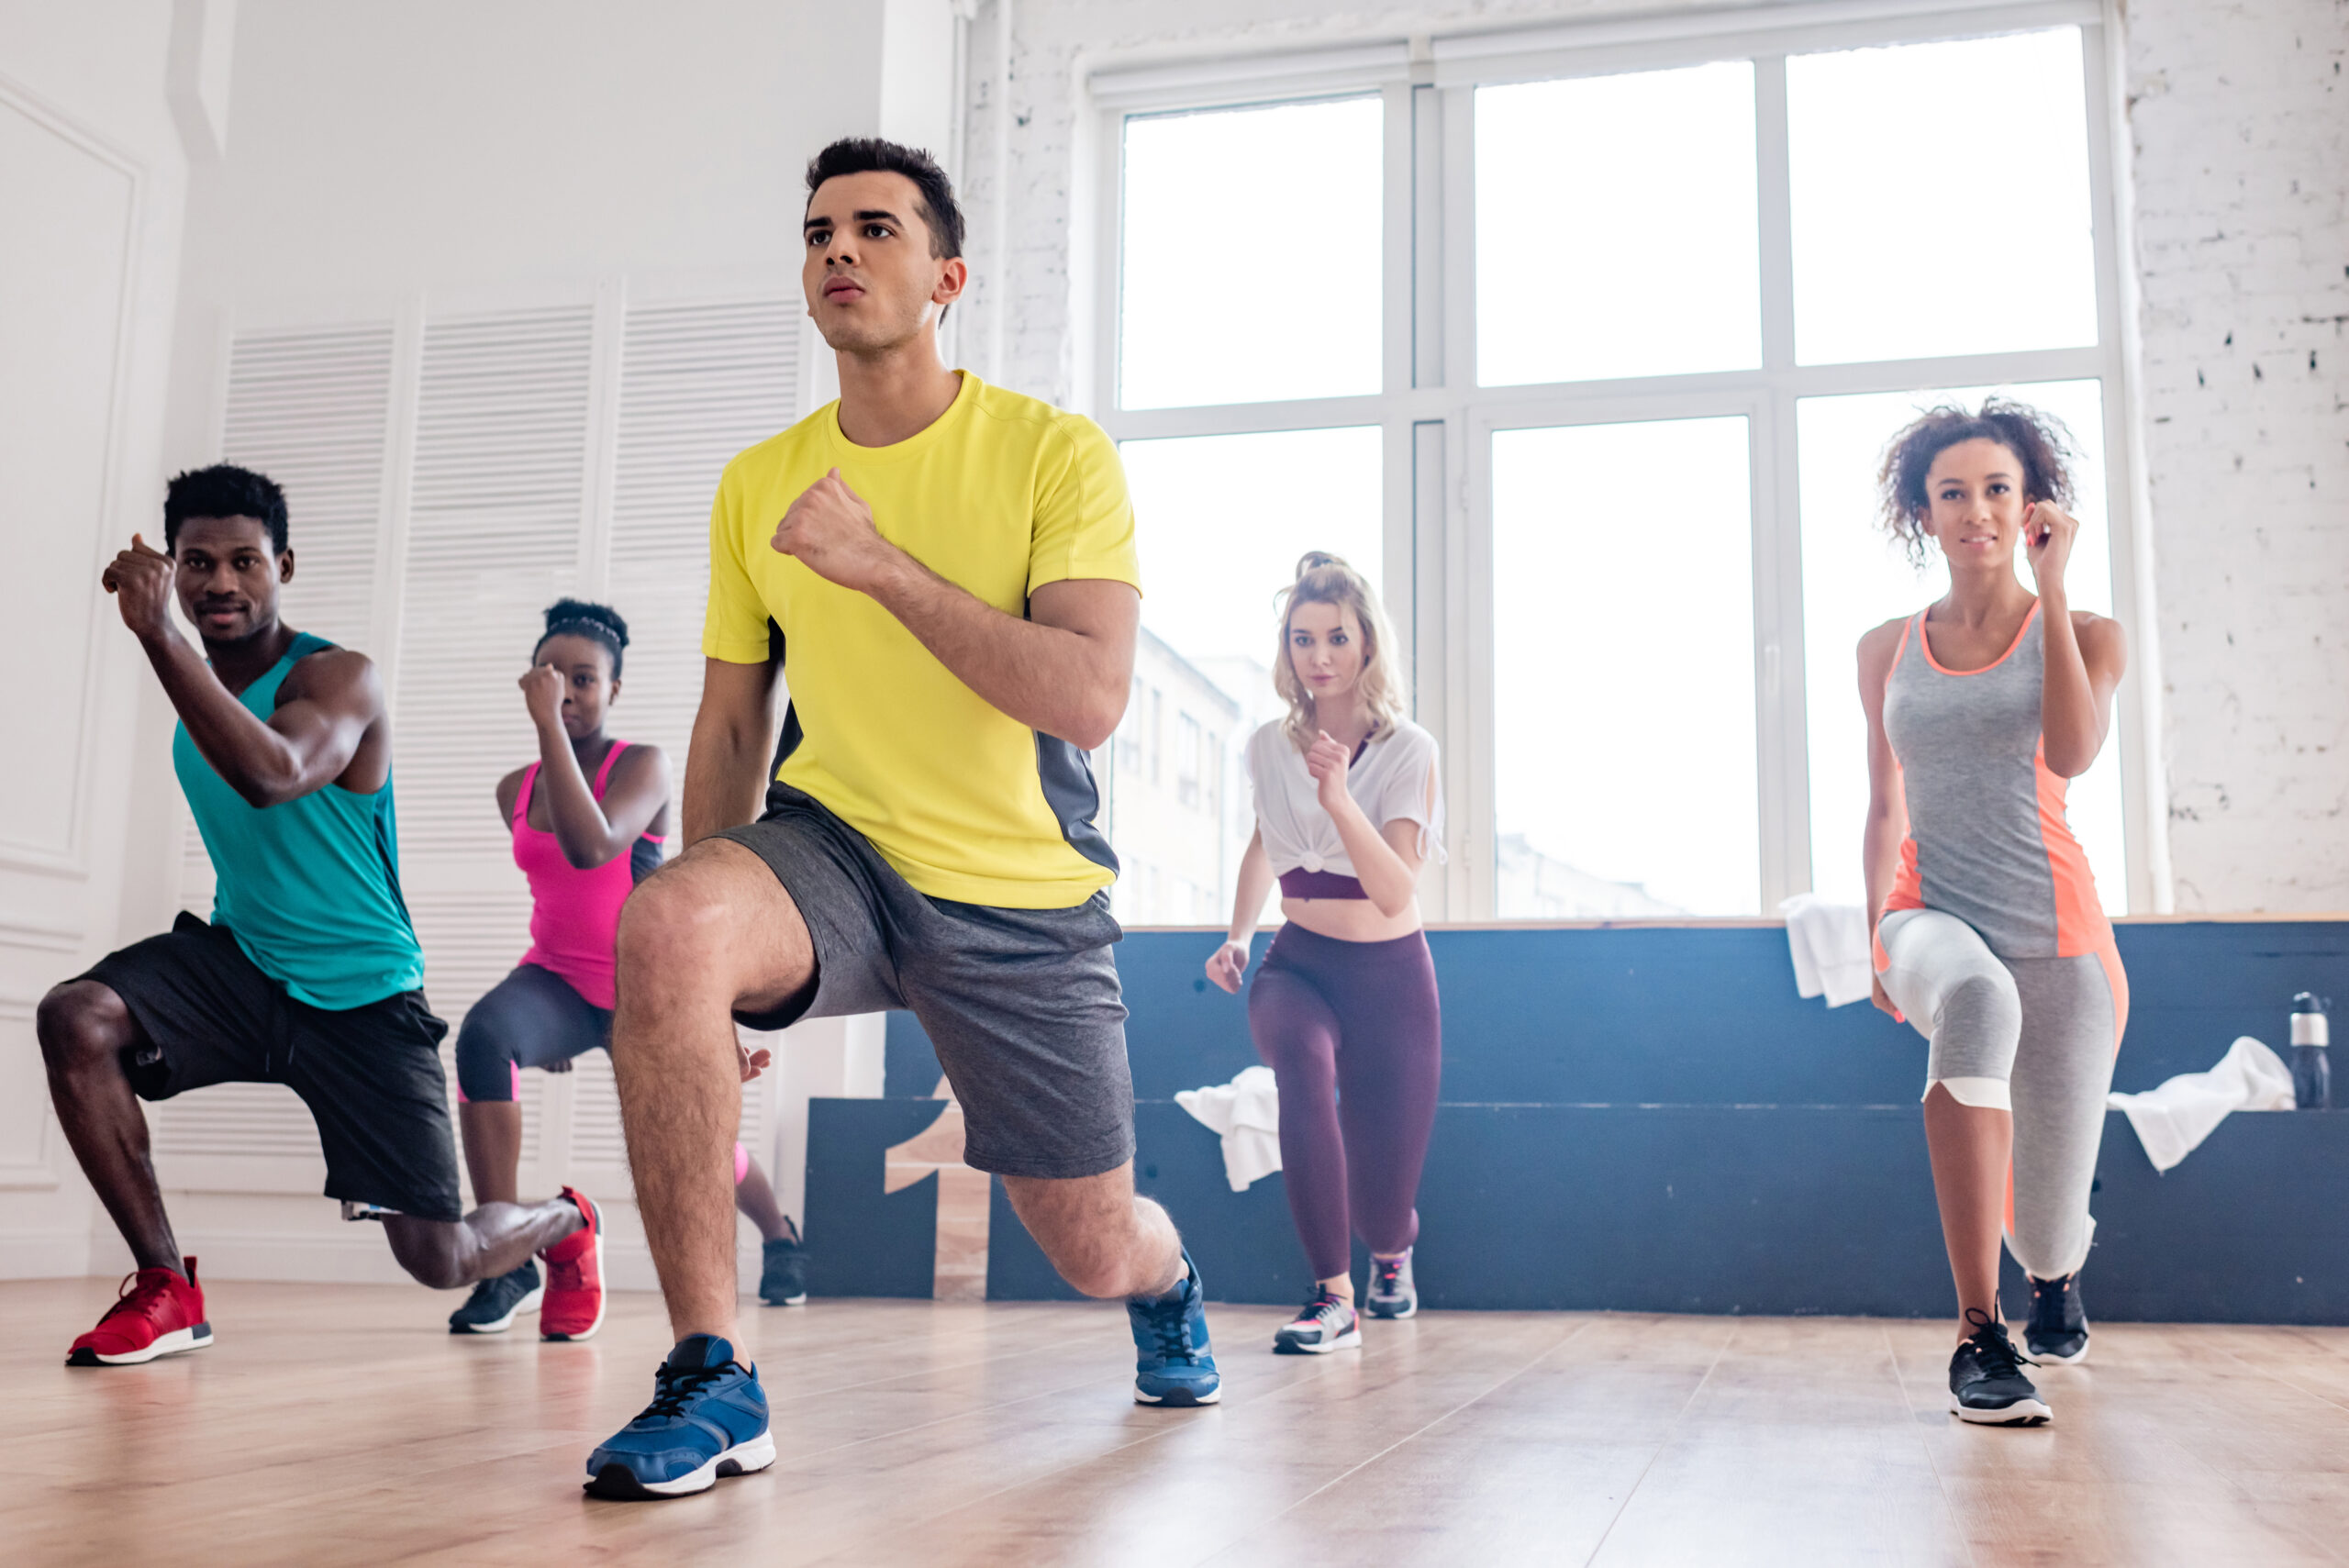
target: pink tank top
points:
(575, 911)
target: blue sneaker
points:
(1173, 1364)
(708, 1419)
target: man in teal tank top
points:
(309, 973)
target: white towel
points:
(1247, 1113)
(2173, 1121)
(1829, 943)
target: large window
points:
(1585, 349)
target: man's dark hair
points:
(224, 490)
(869, 155)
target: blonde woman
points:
(1344, 1007)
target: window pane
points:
(1623, 671)
(1853, 577)
(1222, 521)
(1615, 226)
(1215, 308)
(1941, 199)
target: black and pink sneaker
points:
(1393, 1292)
(1325, 1323)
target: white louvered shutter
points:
(499, 506)
(309, 408)
(698, 383)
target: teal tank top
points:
(311, 887)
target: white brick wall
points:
(2240, 126)
(2240, 153)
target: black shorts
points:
(1023, 1006)
(371, 1076)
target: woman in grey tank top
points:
(1990, 936)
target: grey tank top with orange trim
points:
(1987, 839)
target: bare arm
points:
(593, 832)
(726, 771)
(1064, 670)
(1228, 963)
(1387, 859)
(1255, 886)
(1887, 819)
(2084, 655)
(325, 709)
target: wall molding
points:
(39, 937)
(73, 859)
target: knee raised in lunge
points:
(1975, 1031)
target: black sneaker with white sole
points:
(1987, 1384)
(1392, 1293)
(495, 1303)
(1325, 1323)
(783, 1270)
(2058, 1330)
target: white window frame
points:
(1437, 423)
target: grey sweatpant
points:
(2032, 1035)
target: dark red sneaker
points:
(158, 1313)
(573, 1308)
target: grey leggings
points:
(2033, 1036)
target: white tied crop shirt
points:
(1394, 779)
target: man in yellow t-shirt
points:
(942, 573)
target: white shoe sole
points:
(1283, 1346)
(742, 1458)
(498, 1326)
(2074, 1358)
(170, 1344)
(799, 1300)
(603, 1295)
(1392, 1314)
(1212, 1396)
(2022, 1413)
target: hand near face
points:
(141, 579)
(2047, 534)
(542, 694)
(1327, 761)
(829, 530)
(1228, 965)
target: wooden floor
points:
(332, 1425)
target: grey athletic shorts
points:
(1023, 1006)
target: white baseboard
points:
(360, 1257)
(65, 1255)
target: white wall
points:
(92, 177)
(2240, 122)
(348, 160)
(2239, 128)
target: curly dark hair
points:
(224, 490)
(583, 617)
(2040, 442)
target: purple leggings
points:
(1352, 1032)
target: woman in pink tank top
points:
(588, 820)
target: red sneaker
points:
(159, 1313)
(573, 1308)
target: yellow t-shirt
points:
(1002, 495)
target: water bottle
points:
(2311, 1074)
